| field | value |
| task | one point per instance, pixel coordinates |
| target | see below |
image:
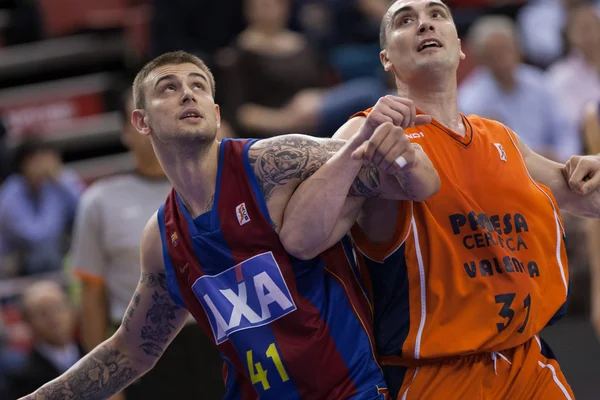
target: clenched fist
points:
(381, 140)
(583, 173)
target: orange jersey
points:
(479, 267)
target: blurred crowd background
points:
(77, 184)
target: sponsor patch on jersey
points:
(501, 151)
(248, 295)
(242, 214)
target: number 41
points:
(258, 374)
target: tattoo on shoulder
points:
(101, 374)
(282, 159)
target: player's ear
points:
(218, 113)
(139, 120)
(462, 55)
(385, 61)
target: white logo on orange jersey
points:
(501, 151)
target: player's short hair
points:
(175, 57)
(490, 25)
(385, 24)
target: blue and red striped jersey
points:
(286, 328)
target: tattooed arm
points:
(320, 212)
(151, 322)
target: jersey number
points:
(258, 374)
(506, 300)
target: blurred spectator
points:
(504, 89)
(200, 26)
(26, 23)
(575, 81)
(542, 25)
(347, 32)
(106, 255)
(3, 378)
(591, 131)
(37, 206)
(50, 316)
(276, 84)
(5, 163)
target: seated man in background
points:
(47, 311)
(37, 206)
(505, 89)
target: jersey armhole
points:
(378, 252)
(543, 188)
(258, 194)
(172, 284)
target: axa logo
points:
(501, 151)
(248, 295)
(242, 214)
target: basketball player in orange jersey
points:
(463, 282)
(213, 249)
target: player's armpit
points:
(151, 322)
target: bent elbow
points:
(297, 245)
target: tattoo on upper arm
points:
(101, 374)
(282, 159)
(149, 279)
(158, 328)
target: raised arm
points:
(575, 185)
(591, 131)
(324, 207)
(151, 322)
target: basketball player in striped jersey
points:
(286, 328)
(463, 282)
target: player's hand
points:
(388, 149)
(397, 110)
(583, 173)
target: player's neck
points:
(148, 166)
(193, 173)
(436, 98)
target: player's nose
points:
(425, 26)
(188, 96)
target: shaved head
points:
(396, 7)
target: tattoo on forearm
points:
(367, 183)
(403, 179)
(99, 375)
(279, 160)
